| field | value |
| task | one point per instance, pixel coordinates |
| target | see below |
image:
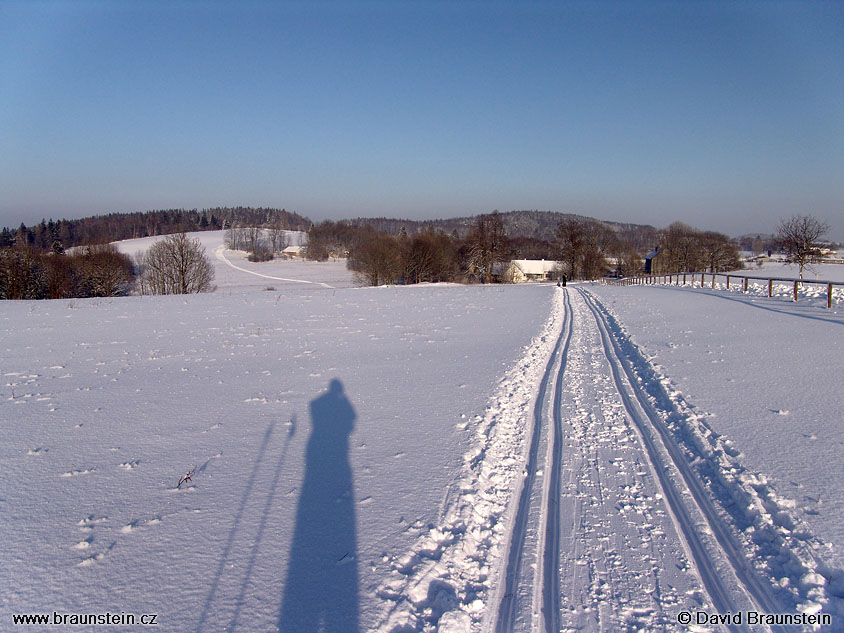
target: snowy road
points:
(220, 253)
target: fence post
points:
(829, 296)
(728, 283)
(770, 287)
(684, 279)
(795, 290)
(713, 281)
(745, 284)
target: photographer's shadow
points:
(321, 589)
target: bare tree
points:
(376, 259)
(278, 238)
(799, 238)
(598, 240)
(681, 249)
(718, 252)
(629, 262)
(103, 271)
(428, 257)
(487, 245)
(569, 240)
(176, 265)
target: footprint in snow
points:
(90, 521)
(85, 543)
(37, 451)
(137, 524)
(73, 473)
(91, 560)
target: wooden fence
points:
(682, 279)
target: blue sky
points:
(727, 116)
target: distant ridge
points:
(539, 225)
(532, 224)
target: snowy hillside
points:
(485, 458)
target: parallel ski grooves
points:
(507, 609)
(551, 555)
(722, 600)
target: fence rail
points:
(709, 279)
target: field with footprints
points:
(293, 452)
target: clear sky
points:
(726, 115)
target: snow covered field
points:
(448, 458)
(234, 272)
(765, 372)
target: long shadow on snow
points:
(262, 524)
(212, 594)
(750, 301)
(321, 589)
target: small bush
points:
(260, 254)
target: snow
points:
(766, 373)
(233, 272)
(823, 272)
(428, 458)
(107, 403)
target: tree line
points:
(75, 258)
(430, 255)
(176, 264)
(34, 263)
(91, 271)
(102, 229)
(584, 249)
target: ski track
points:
(597, 499)
(221, 255)
(524, 594)
(748, 549)
(725, 593)
(450, 579)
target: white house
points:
(521, 270)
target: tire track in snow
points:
(731, 588)
(221, 255)
(520, 601)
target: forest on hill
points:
(113, 227)
(379, 250)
